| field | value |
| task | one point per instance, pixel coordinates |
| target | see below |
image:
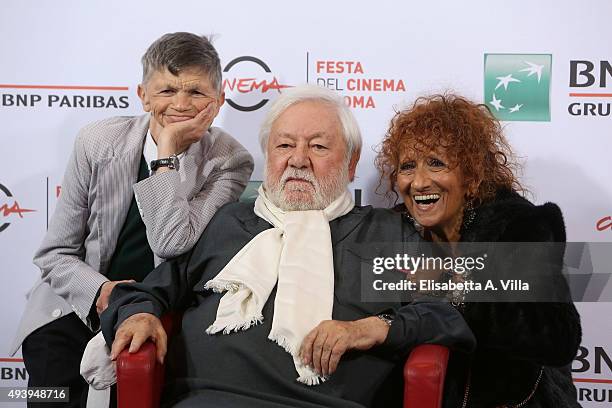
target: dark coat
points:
(245, 369)
(515, 340)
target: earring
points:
(469, 214)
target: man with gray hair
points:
(285, 269)
(136, 190)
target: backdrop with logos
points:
(542, 67)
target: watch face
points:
(175, 162)
(171, 162)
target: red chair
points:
(140, 377)
(424, 374)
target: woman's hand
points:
(323, 347)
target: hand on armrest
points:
(136, 330)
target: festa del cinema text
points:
(332, 75)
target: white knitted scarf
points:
(296, 255)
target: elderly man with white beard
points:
(271, 292)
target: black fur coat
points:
(515, 340)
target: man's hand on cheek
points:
(176, 137)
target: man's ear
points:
(142, 94)
(353, 164)
(220, 102)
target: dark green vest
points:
(133, 258)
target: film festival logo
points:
(604, 224)
(517, 86)
(8, 207)
(250, 82)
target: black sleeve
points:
(546, 333)
(94, 319)
(427, 321)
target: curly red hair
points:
(470, 135)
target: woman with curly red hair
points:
(448, 160)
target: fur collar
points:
(512, 218)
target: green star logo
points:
(517, 86)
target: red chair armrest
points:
(139, 378)
(424, 374)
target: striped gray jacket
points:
(97, 190)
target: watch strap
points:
(170, 162)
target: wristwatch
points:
(171, 162)
(387, 318)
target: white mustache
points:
(299, 174)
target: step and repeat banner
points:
(544, 68)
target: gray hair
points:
(302, 93)
(177, 51)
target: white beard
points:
(321, 193)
